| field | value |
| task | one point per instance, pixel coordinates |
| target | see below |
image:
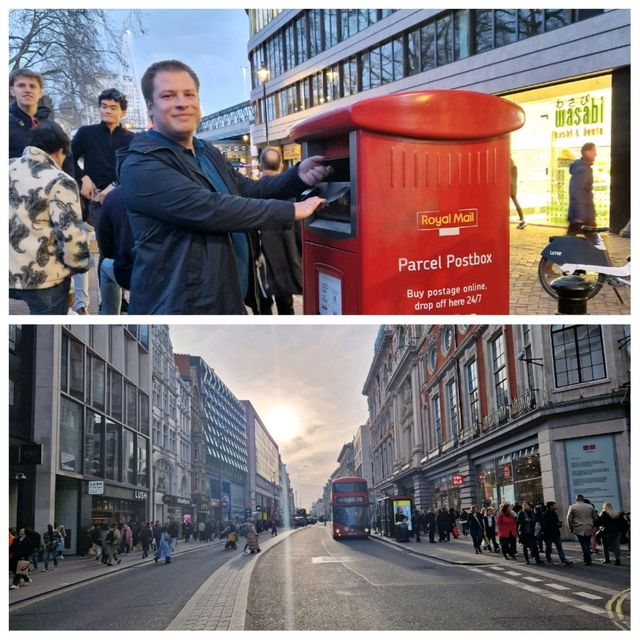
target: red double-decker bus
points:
(350, 508)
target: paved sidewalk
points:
(74, 570)
(526, 297)
(460, 551)
(220, 604)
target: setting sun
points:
(283, 423)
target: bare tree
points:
(72, 48)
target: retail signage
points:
(169, 499)
(215, 503)
(96, 487)
(291, 151)
(139, 495)
(203, 507)
(457, 479)
(591, 466)
(225, 501)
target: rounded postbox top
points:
(437, 114)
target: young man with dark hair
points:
(96, 145)
(184, 200)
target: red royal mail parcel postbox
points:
(417, 215)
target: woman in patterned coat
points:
(48, 242)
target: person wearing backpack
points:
(51, 540)
(526, 524)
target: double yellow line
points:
(614, 610)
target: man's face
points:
(111, 112)
(27, 91)
(175, 106)
(589, 155)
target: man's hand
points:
(104, 193)
(88, 188)
(311, 171)
(305, 208)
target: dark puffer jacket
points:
(581, 206)
(184, 258)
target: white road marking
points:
(555, 596)
(590, 596)
(590, 609)
(558, 587)
(532, 579)
(513, 573)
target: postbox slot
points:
(336, 218)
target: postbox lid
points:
(437, 114)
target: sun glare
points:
(283, 423)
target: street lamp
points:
(263, 75)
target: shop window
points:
(578, 354)
(93, 444)
(483, 30)
(529, 22)
(528, 478)
(487, 484)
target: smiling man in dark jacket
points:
(184, 200)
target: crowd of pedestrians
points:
(176, 225)
(537, 529)
(108, 542)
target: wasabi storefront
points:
(559, 120)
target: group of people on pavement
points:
(176, 225)
(538, 529)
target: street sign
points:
(96, 487)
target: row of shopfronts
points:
(533, 470)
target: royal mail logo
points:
(447, 223)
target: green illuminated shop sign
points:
(583, 110)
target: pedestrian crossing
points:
(595, 602)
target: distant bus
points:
(350, 507)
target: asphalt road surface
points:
(310, 581)
(147, 596)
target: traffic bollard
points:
(573, 292)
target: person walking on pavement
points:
(431, 524)
(507, 531)
(513, 193)
(19, 552)
(51, 540)
(164, 548)
(252, 545)
(581, 519)
(526, 532)
(36, 541)
(490, 529)
(442, 522)
(174, 531)
(96, 541)
(464, 522)
(274, 528)
(611, 525)
(145, 537)
(551, 524)
(127, 538)
(157, 534)
(476, 528)
(63, 533)
(415, 523)
(582, 210)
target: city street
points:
(313, 582)
(136, 595)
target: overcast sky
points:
(304, 381)
(213, 42)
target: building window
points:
(483, 28)
(70, 436)
(471, 375)
(447, 339)
(462, 35)
(93, 444)
(112, 451)
(157, 432)
(76, 369)
(578, 354)
(452, 406)
(143, 401)
(132, 405)
(437, 422)
(444, 40)
(116, 394)
(529, 22)
(500, 382)
(433, 358)
(129, 456)
(97, 383)
(428, 46)
(142, 462)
